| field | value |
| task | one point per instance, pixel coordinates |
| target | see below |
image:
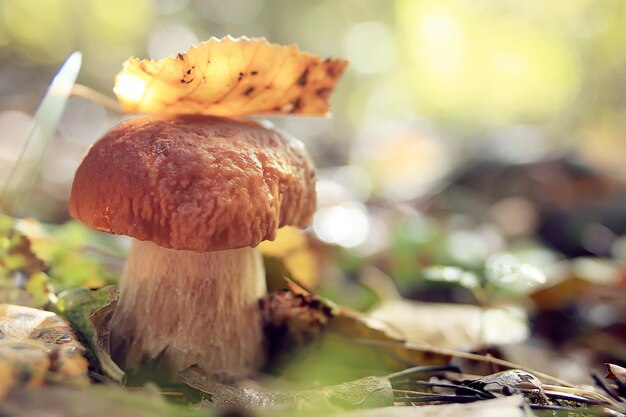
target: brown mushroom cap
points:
(194, 182)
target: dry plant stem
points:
(471, 356)
(79, 90)
(190, 308)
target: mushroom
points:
(197, 194)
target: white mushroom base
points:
(189, 308)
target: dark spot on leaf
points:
(240, 76)
(331, 70)
(303, 76)
(180, 56)
(322, 92)
(182, 80)
(248, 91)
(297, 103)
(189, 71)
(190, 81)
(254, 72)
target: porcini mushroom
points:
(197, 194)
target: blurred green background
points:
(430, 83)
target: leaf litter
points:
(36, 348)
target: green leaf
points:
(89, 312)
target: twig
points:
(88, 93)
(589, 394)
(564, 396)
(465, 388)
(423, 369)
(470, 356)
(438, 398)
(408, 391)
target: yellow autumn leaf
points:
(230, 77)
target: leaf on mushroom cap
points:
(230, 77)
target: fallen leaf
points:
(453, 326)
(22, 362)
(90, 311)
(363, 393)
(615, 373)
(506, 381)
(229, 77)
(291, 320)
(331, 343)
(100, 319)
(498, 407)
(36, 347)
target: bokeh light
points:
(487, 65)
(403, 161)
(345, 224)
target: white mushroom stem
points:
(190, 308)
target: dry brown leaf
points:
(453, 326)
(230, 77)
(298, 320)
(35, 345)
(510, 379)
(615, 373)
(22, 363)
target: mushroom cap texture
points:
(196, 183)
